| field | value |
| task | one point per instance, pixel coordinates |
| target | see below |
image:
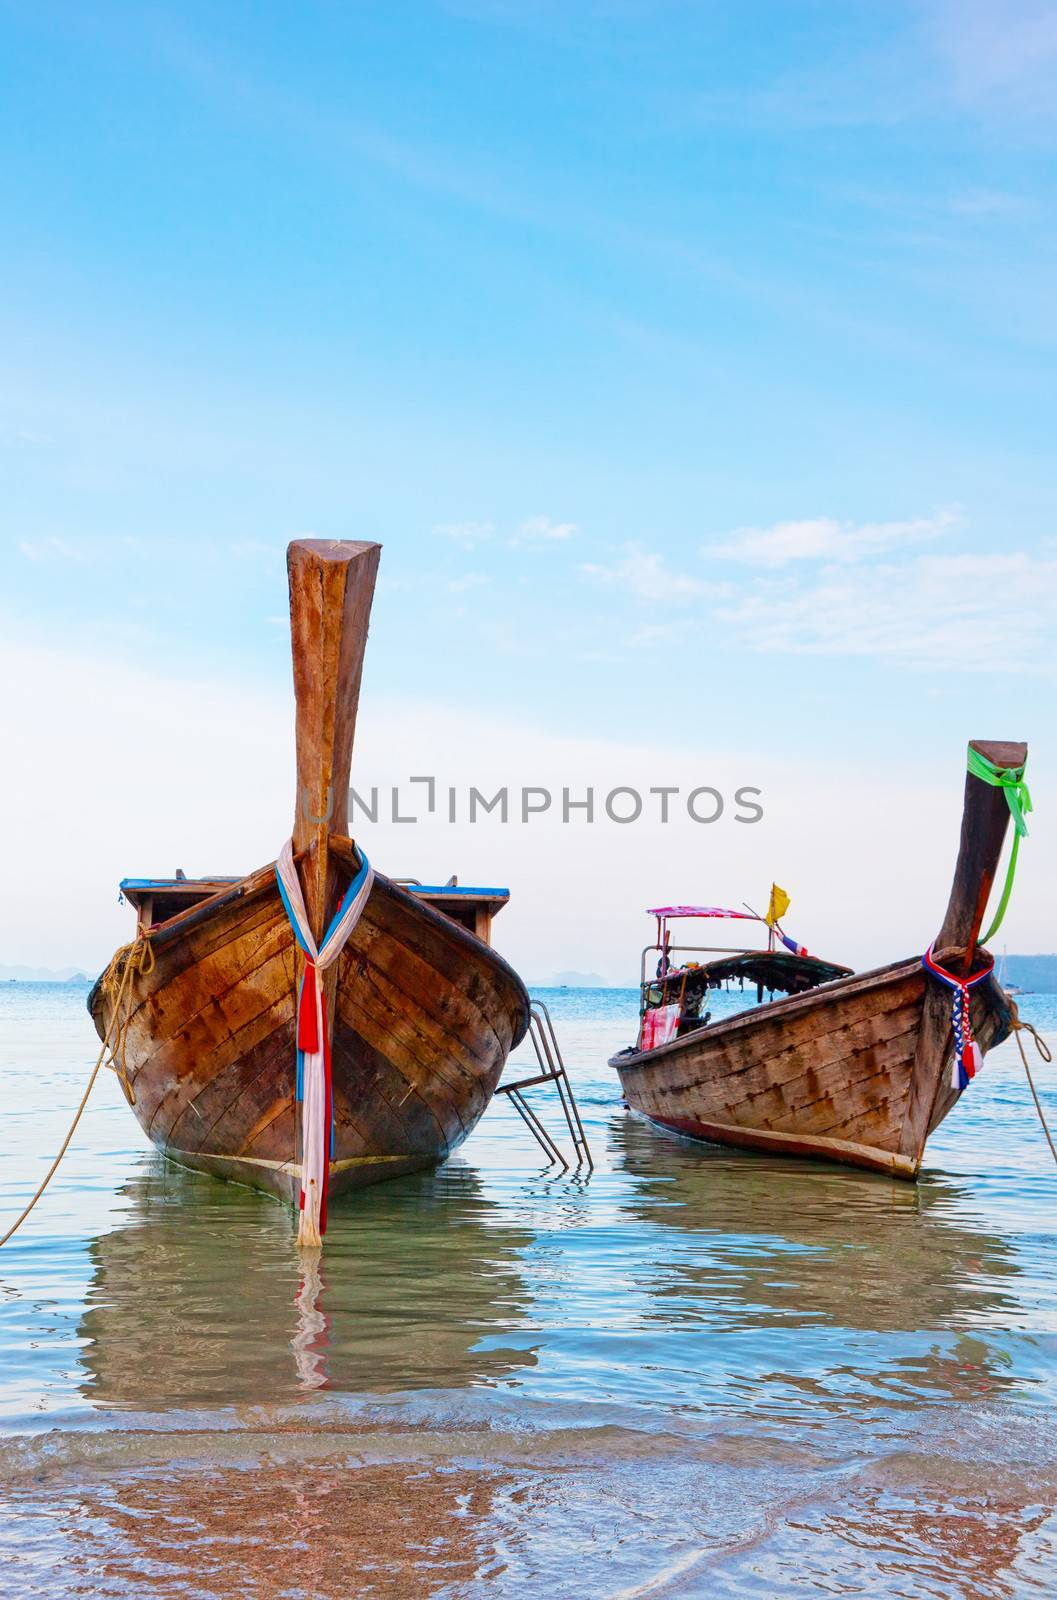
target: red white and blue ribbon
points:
(791, 944)
(968, 1057)
(314, 1091)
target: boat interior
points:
(158, 900)
(674, 1001)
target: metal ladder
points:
(552, 1070)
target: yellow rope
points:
(115, 983)
(1047, 1055)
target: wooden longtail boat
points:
(420, 1014)
(858, 1068)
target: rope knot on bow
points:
(968, 1058)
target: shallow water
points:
(693, 1373)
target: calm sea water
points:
(694, 1373)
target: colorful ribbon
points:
(968, 1057)
(1018, 797)
(314, 1085)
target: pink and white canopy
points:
(700, 911)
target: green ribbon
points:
(1011, 781)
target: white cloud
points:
(991, 57)
(531, 530)
(228, 805)
(543, 530)
(644, 574)
(22, 438)
(465, 534)
(967, 612)
(82, 550)
(987, 203)
(52, 549)
(469, 580)
(826, 539)
(1001, 50)
(651, 633)
(254, 549)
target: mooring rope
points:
(139, 958)
(135, 955)
(1046, 1053)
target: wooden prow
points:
(331, 588)
(985, 819)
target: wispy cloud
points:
(51, 548)
(466, 535)
(948, 56)
(255, 549)
(965, 612)
(537, 530)
(84, 549)
(22, 438)
(651, 633)
(826, 539)
(543, 530)
(987, 203)
(469, 580)
(644, 574)
(997, 50)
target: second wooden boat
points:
(405, 1016)
(857, 1068)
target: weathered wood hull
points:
(425, 1015)
(836, 1074)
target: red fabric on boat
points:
(659, 1025)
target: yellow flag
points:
(778, 906)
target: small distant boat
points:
(855, 1068)
(315, 1026)
(1003, 976)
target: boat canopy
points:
(775, 970)
(700, 911)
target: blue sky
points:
(693, 362)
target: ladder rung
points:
(548, 1054)
(526, 1083)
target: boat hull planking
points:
(826, 1075)
(425, 1015)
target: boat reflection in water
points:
(201, 1298)
(266, 1477)
(765, 1244)
(865, 1326)
(780, 1379)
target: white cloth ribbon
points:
(314, 1085)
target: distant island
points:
(1032, 974)
(72, 975)
(571, 980)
